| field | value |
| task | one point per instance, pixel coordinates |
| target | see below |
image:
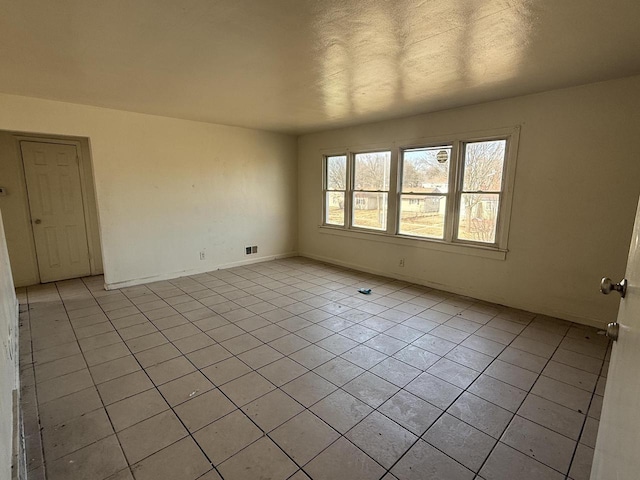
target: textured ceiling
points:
(304, 65)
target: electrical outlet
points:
(202, 255)
(401, 263)
(247, 250)
(254, 249)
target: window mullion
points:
(348, 198)
(453, 200)
(392, 194)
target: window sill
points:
(461, 249)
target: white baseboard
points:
(464, 291)
(195, 271)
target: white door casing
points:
(57, 212)
(617, 451)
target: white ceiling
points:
(304, 65)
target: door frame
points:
(87, 188)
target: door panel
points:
(616, 453)
(57, 211)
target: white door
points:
(617, 452)
(57, 212)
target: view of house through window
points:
(425, 183)
(452, 192)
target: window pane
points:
(372, 171)
(422, 215)
(334, 208)
(426, 170)
(478, 217)
(370, 210)
(483, 163)
(337, 173)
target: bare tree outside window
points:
(481, 190)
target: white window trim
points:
(497, 251)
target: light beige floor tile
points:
(453, 372)
(105, 354)
(182, 389)
(434, 390)
(546, 446)
(262, 459)
(573, 376)
(204, 409)
(506, 463)
(434, 344)
(469, 358)
(304, 436)
(371, 389)
(309, 388)
(338, 371)
(247, 388)
(461, 441)
(75, 434)
(383, 439)
(341, 410)
(481, 414)
(424, 462)
(272, 410)
(170, 370)
(226, 370)
(552, 415)
(411, 412)
(282, 371)
(312, 356)
(495, 391)
(194, 342)
(260, 356)
(57, 368)
(156, 355)
(581, 466)
(562, 393)
(136, 408)
(511, 374)
(182, 460)
(227, 436)
(123, 387)
(64, 385)
(96, 461)
(70, 406)
(114, 369)
(153, 434)
(208, 355)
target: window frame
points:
(449, 243)
(326, 190)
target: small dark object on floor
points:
(366, 291)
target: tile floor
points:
(282, 370)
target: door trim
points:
(87, 189)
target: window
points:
(479, 201)
(456, 192)
(425, 186)
(371, 189)
(336, 187)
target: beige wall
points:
(167, 189)
(8, 357)
(576, 190)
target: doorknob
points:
(37, 221)
(612, 330)
(607, 286)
